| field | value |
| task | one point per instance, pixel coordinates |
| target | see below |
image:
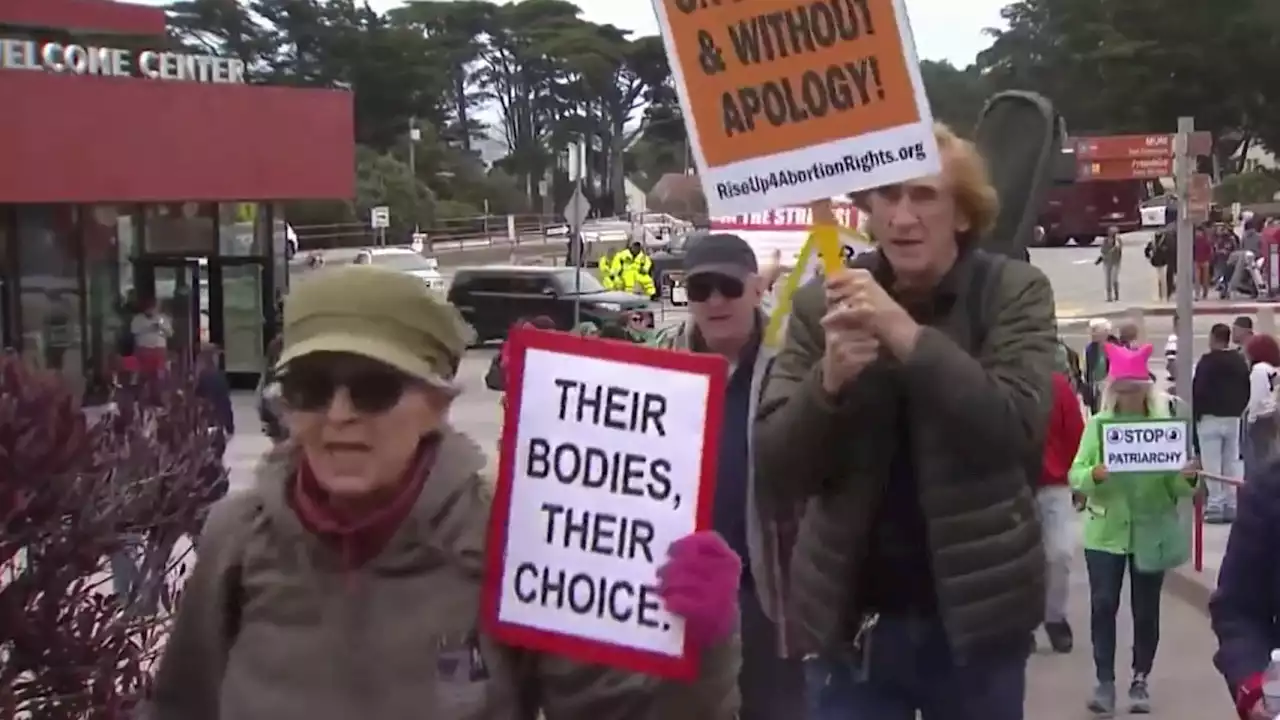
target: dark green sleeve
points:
(1001, 395)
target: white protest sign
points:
(786, 230)
(791, 101)
(1144, 446)
(608, 457)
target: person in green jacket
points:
(1131, 521)
(606, 271)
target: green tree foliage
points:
(536, 70)
(956, 96)
(518, 82)
(1136, 65)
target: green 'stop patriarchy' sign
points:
(71, 59)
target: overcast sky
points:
(944, 29)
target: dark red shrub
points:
(72, 494)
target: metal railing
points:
(1197, 529)
(451, 235)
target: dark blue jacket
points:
(1246, 604)
(213, 388)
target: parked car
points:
(492, 297)
(404, 259)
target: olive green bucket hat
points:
(381, 314)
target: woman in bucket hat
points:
(345, 582)
(1131, 522)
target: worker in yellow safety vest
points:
(606, 271)
(633, 268)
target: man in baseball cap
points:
(724, 286)
(722, 281)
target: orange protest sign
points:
(798, 99)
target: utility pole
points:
(1184, 167)
(415, 135)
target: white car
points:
(1155, 211)
(404, 259)
(411, 262)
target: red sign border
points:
(520, 341)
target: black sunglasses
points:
(699, 288)
(373, 389)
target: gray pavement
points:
(1077, 281)
(1184, 684)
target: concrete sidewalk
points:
(1184, 683)
(1195, 586)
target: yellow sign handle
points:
(826, 236)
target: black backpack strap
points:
(982, 286)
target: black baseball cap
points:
(720, 254)
(1244, 322)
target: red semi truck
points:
(1081, 212)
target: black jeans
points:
(908, 670)
(1106, 578)
(772, 687)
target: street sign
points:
(1200, 197)
(1118, 147)
(1128, 147)
(1132, 169)
(380, 217)
(1200, 143)
(577, 209)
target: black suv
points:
(492, 297)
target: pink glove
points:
(699, 583)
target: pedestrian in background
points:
(1245, 606)
(1109, 256)
(1127, 334)
(1241, 331)
(1057, 514)
(151, 333)
(725, 287)
(1131, 523)
(906, 411)
(1160, 253)
(346, 581)
(213, 388)
(1095, 360)
(1202, 256)
(1261, 421)
(1219, 396)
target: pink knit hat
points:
(1128, 365)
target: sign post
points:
(380, 220)
(1201, 197)
(575, 213)
(1186, 146)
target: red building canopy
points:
(87, 123)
